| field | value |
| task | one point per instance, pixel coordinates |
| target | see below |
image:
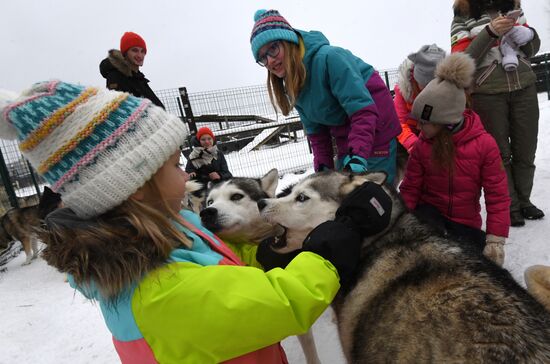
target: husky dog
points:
(232, 213)
(417, 297)
(21, 223)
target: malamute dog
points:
(232, 214)
(21, 224)
(418, 297)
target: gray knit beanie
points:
(443, 100)
(425, 61)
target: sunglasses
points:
(272, 51)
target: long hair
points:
(119, 246)
(443, 150)
(283, 93)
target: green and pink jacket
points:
(203, 306)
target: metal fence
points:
(249, 131)
(247, 126)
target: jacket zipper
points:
(486, 74)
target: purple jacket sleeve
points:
(363, 131)
(321, 144)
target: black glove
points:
(367, 209)
(338, 243)
(269, 259)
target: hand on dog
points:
(340, 244)
(367, 209)
(494, 249)
(269, 259)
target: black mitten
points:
(270, 259)
(367, 208)
(339, 243)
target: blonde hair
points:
(119, 246)
(283, 93)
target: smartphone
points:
(514, 14)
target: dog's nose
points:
(261, 204)
(209, 214)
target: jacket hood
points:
(476, 8)
(313, 40)
(404, 80)
(87, 256)
(115, 61)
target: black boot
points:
(516, 218)
(532, 213)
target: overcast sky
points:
(204, 44)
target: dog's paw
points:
(26, 262)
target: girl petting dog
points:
(169, 290)
(454, 160)
(337, 95)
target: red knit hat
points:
(205, 130)
(131, 39)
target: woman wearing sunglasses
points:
(337, 95)
(453, 161)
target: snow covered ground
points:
(45, 321)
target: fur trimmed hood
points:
(476, 8)
(117, 61)
(404, 80)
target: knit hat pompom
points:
(258, 14)
(131, 39)
(443, 100)
(270, 26)
(7, 130)
(457, 68)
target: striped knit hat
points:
(94, 146)
(269, 26)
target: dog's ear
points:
(269, 182)
(377, 177)
(356, 180)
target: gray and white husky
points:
(232, 214)
(418, 297)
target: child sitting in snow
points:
(206, 162)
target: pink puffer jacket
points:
(478, 166)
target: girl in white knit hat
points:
(169, 290)
(454, 160)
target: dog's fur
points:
(232, 213)
(22, 223)
(194, 196)
(418, 297)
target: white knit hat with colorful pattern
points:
(94, 146)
